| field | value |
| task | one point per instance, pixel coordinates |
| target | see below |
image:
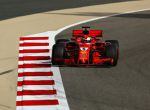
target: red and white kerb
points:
(39, 85)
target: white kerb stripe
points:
(35, 62)
(33, 41)
(33, 54)
(35, 78)
(20, 70)
(43, 107)
(35, 97)
(33, 47)
(35, 87)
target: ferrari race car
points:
(85, 48)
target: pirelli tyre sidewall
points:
(112, 51)
(114, 42)
(58, 52)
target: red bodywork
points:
(88, 52)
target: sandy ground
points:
(11, 29)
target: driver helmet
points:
(88, 39)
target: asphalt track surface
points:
(124, 87)
(15, 8)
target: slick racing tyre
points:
(114, 42)
(112, 52)
(62, 41)
(58, 52)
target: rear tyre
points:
(62, 41)
(58, 53)
(112, 52)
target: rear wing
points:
(92, 33)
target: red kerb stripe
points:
(36, 102)
(36, 92)
(35, 74)
(34, 65)
(33, 38)
(34, 51)
(34, 44)
(40, 82)
(34, 58)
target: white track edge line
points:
(98, 18)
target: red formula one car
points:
(85, 48)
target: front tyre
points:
(112, 52)
(58, 53)
(114, 42)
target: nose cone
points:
(83, 55)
